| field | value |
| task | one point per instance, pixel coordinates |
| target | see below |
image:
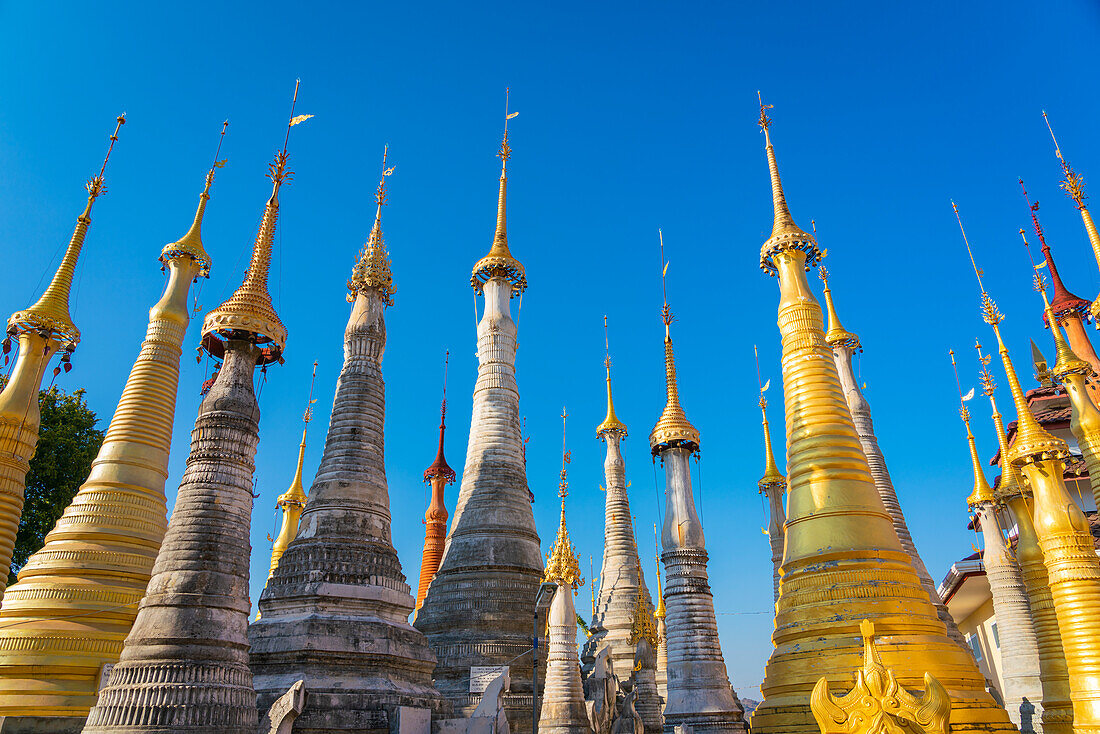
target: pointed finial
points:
(982, 491)
(659, 612)
(1011, 480)
(836, 335)
(190, 245)
(1063, 302)
(296, 494)
(49, 316)
(1033, 442)
(561, 562)
(372, 271)
(499, 262)
(439, 467)
(566, 458)
(772, 478)
(611, 423)
(1073, 183)
(673, 429)
(786, 235)
(1066, 361)
(249, 313)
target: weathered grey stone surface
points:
(621, 578)
(1019, 645)
(643, 677)
(184, 667)
(335, 612)
(776, 519)
(563, 708)
(699, 693)
(479, 608)
(865, 428)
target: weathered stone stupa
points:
(842, 561)
(477, 612)
(184, 666)
(335, 613)
(621, 579)
(1015, 632)
(63, 623)
(438, 475)
(699, 694)
(41, 331)
(563, 709)
(845, 345)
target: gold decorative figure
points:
(878, 704)
(1072, 565)
(372, 271)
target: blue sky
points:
(633, 117)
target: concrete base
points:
(42, 724)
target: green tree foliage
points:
(67, 444)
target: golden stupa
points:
(41, 331)
(842, 561)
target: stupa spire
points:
(772, 485)
(438, 475)
(475, 624)
(1072, 565)
(673, 427)
(373, 267)
(249, 312)
(293, 501)
(340, 584)
(841, 540)
(499, 261)
(563, 705)
(611, 422)
(1055, 708)
(659, 614)
(982, 493)
(41, 330)
(76, 598)
(49, 316)
(699, 695)
(622, 583)
(783, 226)
(197, 597)
(837, 335)
(190, 244)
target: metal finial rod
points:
(977, 270)
(666, 313)
(1037, 279)
(221, 139)
(1034, 208)
(119, 122)
(656, 546)
(1057, 149)
(380, 196)
(443, 406)
(606, 348)
(290, 120)
(308, 416)
(563, 485)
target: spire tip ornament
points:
(562, 565)
(611, 422)
(372, 271)
(673, 427)
(500, 262)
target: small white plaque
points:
(482, 675)
(104, 675)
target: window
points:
(975, 646)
